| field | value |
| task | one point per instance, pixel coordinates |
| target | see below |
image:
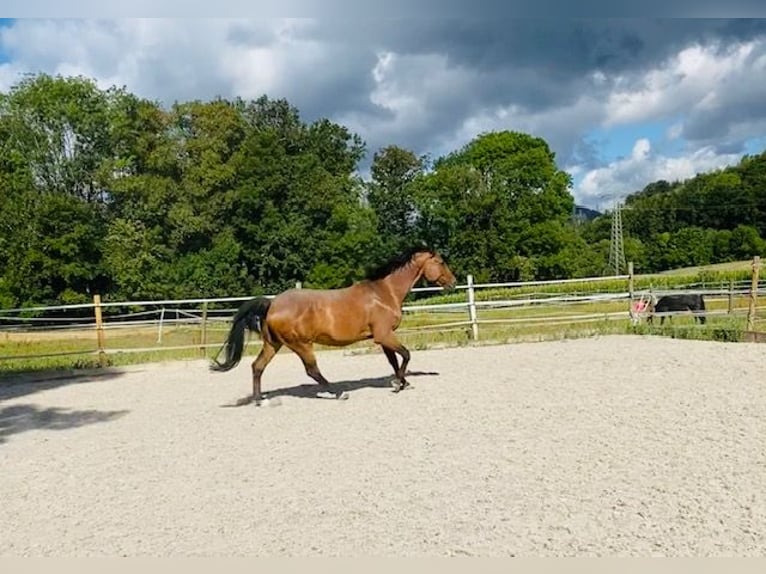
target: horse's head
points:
(435, 269)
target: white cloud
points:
(168, 60)
(273, 69)
(412, 91)
(600, 187)
(711, 90)
(691, 79)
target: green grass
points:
(735, 266)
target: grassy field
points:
(736, 266)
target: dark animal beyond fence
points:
(678, 303)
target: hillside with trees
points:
(105, 192)
(711, 218)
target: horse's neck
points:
(401, 281)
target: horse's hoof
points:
(402, 386)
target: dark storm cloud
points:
(558, 52)
(561, 50)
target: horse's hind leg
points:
(269, 349)
(306, 352)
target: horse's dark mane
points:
(396, 263)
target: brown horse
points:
(298, 318)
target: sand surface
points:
(610, 446)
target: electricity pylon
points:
(616, 247)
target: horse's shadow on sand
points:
(314, 391)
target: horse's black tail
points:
(250, 316)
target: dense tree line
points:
(105, 192)
(711, 218)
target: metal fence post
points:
(472, 310)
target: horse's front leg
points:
(393, 361)
(392, 346)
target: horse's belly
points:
(341, 338)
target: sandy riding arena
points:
(609, 446)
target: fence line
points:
(209, 319)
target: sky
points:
(622, 102)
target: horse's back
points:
(327, 316)
(304, 298)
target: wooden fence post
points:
(203, 335)
(472, 310)
(753, 294)
(100, 339)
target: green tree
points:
(391, 194)
(497, 205)
(297, 199)
(745, 242)
(56, 146)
